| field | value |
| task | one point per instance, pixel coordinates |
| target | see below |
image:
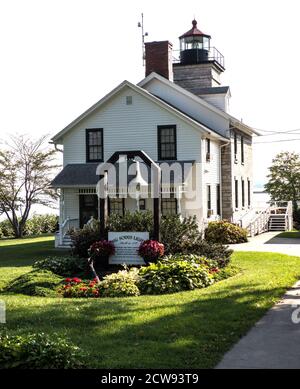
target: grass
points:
(185, 330)
(289, 234)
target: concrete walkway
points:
(269, 243)
(274, 341)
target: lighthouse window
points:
(116, 206)
(166, 142)
(128, 100)
(94, 145)
(169, 206)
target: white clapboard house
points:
(178, 114)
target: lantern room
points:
(194, 46)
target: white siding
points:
(71, 204)
(204, 115)
(220, 101)
(131, 127)
(211, 176)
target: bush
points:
(131, 221)
(38, 351)
(121, 284)
(83, 239)
(63, 266)
(213, 251)
(6, 228)
(75, 287)
(41, 224)
(170, 276)
(101, 249)
(36, 225)
(151, 250)
(177, 233)
(225, 232)
(36, 283)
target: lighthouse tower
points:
(200, 65)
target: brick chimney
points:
(159, 58)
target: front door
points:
(88, 208)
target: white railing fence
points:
(65, 227)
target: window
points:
(116, 206)
(218, 200)
(236, 184)
(235, 146)
(166, 142)
(249, 193)
(243, 193)
(207, 149)
(208, 196)
(169, 206)
(242, 150)
(94, 145)
(128, 100)
(142, 204)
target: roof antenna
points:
(144, 34)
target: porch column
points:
(102, 205)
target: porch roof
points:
(84, 175)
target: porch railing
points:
(65, 227)
(260, 224)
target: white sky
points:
(58, 57)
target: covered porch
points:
(81, 203)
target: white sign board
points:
(127, 245)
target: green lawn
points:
(289, 234)
(185, 330)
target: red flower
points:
(68, 279)
(77, 280)
(151, 250)
(84, 288)
(103, 248)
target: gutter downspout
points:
(55, 146)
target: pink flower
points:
(151, 250)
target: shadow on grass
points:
(25, 254)
(187, 330)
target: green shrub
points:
(177, 233)
(36, 283)
(121, 284)
(41, 224)
(191, 258)
(36, 225)
(173, 276)
(225, 232)
(213, 251)
(83, 239)
(6, 228)
(38, 351)
(63, 266)
(131, 221)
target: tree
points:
(26, 170)
(284, 178)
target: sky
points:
(58, 57)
